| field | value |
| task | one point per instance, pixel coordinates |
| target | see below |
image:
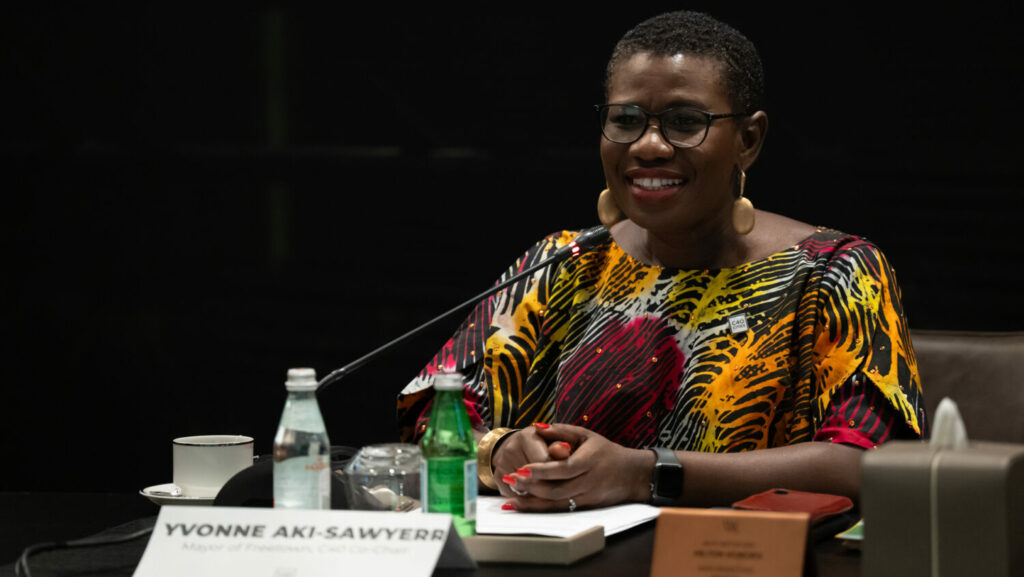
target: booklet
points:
(490, 519)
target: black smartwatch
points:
(667, 484)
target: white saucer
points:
(156, 495)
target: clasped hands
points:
(548, 467)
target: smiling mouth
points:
(657, 183)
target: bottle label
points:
(469, 481)
(424, 492)
(448, 485)
(302, 482)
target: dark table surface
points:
(30, 518)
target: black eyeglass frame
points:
(710, 117)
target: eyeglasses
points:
(682, 126)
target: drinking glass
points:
(384, 477)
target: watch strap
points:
(667, 480)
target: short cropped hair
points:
(688, 32)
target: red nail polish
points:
(509, 479)
(523, 472)
(566, 445)
(542, 425)
(508, 507)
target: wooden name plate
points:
(728, 543)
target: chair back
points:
(983, 372)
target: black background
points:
(196, 199)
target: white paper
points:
(229, 541)
(490, 519)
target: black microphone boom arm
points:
(583, 242)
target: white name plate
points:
(227, 541)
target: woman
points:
(707, 351)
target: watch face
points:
(670, 481)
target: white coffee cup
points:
(203, 463)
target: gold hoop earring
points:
(608, 211)
(742, 209)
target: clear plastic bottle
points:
(302, 450)
(448, 481)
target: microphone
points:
(583, 242)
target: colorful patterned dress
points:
(807, 344)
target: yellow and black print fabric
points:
(716, 360)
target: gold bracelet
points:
(484, 450)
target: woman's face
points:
(659, 187)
